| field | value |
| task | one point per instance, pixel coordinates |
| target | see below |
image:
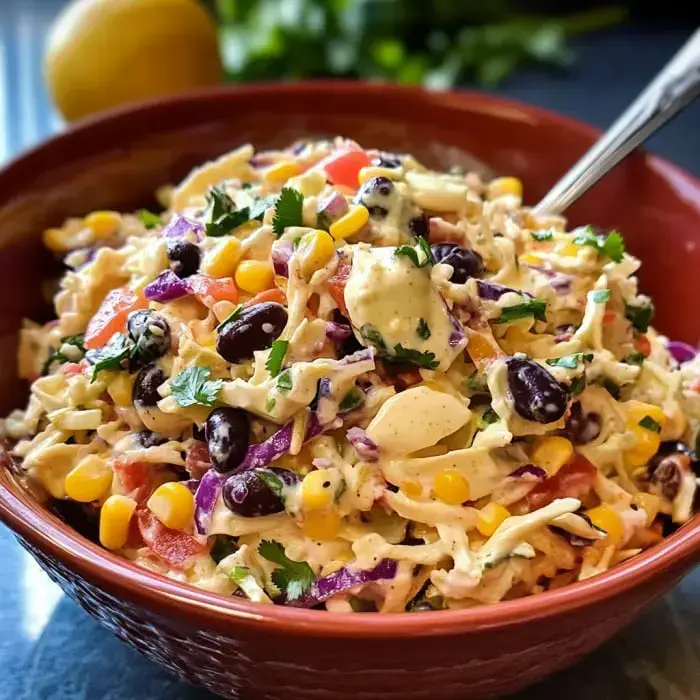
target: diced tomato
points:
(71, 368)
(642, 345)
(609, 317)
(111, 316)
(209, 290)
(174, 547)
(135, 478)
(336, 287)
(574, 480)
(274, 295)
(343, 167)
(198, 461)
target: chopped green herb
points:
(224, 545)
(288, 210)
(477, 384)
(612, 388)
(246, 185)
(640, 316)
(650, 424)
(372, 336)
(577, 385)
(284, 381)
(489, 416)
(192, 387)
(600, 296)
(270, 404)
(323, 221)
(423, 329)
(272, 481)
(542, 235)
(340, 490)
(233, 316)
(532, 307)
(296, 242)
(57, 356)
(112, 356)
(426, 360)
(239, 574)
(292, 578)
(420, 255)
(221, 216)
(351, 400)
(612, 245)
(570, 361)
(276, 357)
(635, 358)
(148, 218)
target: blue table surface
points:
(51, 650)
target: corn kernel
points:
(103, 223)
(637, 411)
(222, 260)
(89, 480)
(646, 447)
(255, 276)
(605, 518)
(490, 517)
(317, 490)
(530, 259)
(551, 453)
(173, 504)
(281, 172)
(482, 351)
(121, 388)
(451, 487)
(115, 517)
(504, 185)
(55, 239)
(321, 524)
(567, 249)
(315, 249)
(649, 503)
(412, 489)
(350, 223)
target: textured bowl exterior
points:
(242, 650)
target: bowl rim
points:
(31, 521)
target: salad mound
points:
(328, 377)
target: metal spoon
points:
(674, 87)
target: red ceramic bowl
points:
(243, 650)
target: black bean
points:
(465, 263)
(184, 256)
(145, 391)
(151, 333)
(667, 474)
(255, 329)
(227, 432)
(147, 438)
(537, 396)
(257, 492)
(387, 160)
(381, 186)
(582, 428)
(376, 211)
(419, 225)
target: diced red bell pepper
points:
(574, 480)
(642, 345)
(209, 290)
(343, 167)
(111, 317)
(198, 460)
(135, 478)
(276, 295)
(336, 287)
(174, 547)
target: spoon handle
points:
(673, 88)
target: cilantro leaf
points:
(55, 355)
(577, 385)
(420, 255)
(612, 388)
(532, 307)
(221, 216)
(426, 360)
(292, 578)
(111, 356)
(270, 404)
(323, 221)
(223, 546)
(148, 218)
(284, 381)
(192, 387)
(489, 416)
(238, 574)
(372, 336)
(600, 296)
(351, 400)
(650, 424)
(288, 210)
(640, 316)
(612, 245)
(274, 361)
(542, 236)
(636, 358)
(233, 316)
(271, 480)
(423, 329)
(570, 361)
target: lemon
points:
(104, 53)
